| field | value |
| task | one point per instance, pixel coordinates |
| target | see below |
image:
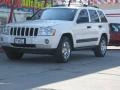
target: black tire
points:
(13, 55)
(64, 50)
(101, 49)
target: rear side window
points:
(102, 16)
(94, 16)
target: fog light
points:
(46, 41)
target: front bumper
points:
(34, 42)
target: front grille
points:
(22, 31)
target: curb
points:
(113, 49)
(117, 48)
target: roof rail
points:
(59, 5)
(94, 6)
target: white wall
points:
(113, 15)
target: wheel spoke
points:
(103, 46)
(66, 50)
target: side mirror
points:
(28, 18)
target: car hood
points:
(38, 23)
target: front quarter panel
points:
(63, 29)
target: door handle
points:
(88, 27)
(100, 26)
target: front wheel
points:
(13, 55)
(101, 49)
(64, 50)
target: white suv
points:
(58, 31)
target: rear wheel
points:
(101, 49)
(13, 55)
(64, 50)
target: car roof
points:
(73, 7)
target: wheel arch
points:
(69, 35)
(105, 35)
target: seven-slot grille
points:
(22, 31)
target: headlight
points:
(46, 31)
(5, 30)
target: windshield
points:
(37, 15)
(56, 14)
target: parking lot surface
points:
(83, 72)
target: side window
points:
(94, 16)
(114, 28)
(119, 27)
(83, 17)
(102, 16)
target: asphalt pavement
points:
(40, 72)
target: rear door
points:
(95, 26)
(103, 26)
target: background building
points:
(107, 4)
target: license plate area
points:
(20, 41)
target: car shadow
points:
(36, 70)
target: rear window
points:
(102, 16)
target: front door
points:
(86, 29)
(81, 29)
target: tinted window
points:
(118, 27)
(94, 16)
(58, 14)
(102, 16)
(83, 16)
(115, 27)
